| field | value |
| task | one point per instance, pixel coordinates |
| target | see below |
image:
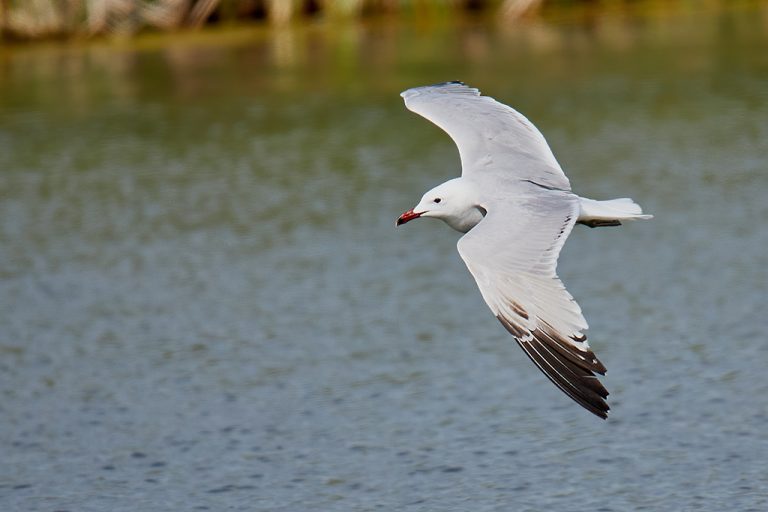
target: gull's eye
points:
(436, 200)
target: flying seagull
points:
(516, 207)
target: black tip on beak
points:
(407, 217)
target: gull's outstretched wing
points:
(512, 254)
(490, 135)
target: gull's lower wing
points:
(512, 254)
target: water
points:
(205, 304)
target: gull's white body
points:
(516, 207)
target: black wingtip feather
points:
(564, 366)
(453, 87)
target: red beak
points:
(408, 216)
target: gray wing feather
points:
(491, 137)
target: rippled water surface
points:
(204, 303)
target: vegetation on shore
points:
(39, 19)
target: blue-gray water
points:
(204, 303)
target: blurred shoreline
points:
(51, 20)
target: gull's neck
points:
(468, 212)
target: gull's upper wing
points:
(491, 136)
(512, 254)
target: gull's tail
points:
(609, 213)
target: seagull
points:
(515, 205)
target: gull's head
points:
(454, 202)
